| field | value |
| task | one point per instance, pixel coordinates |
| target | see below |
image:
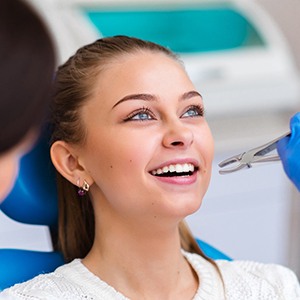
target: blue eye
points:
(193, 111)
(143, 114)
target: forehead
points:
(139, 60)
(140, 71)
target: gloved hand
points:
(289, 151)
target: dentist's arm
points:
(289, 151)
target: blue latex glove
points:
(289, 151)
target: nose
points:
(178, 135)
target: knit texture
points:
(242, 281)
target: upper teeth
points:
(178, 168)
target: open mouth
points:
(181, 170)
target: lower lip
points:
(179, 180)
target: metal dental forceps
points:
(255, 155)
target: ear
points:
(66, 162)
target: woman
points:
(27, 66)
(134, 153)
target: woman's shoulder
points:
(267, 270)
(252, 269)
(48, 286)
(40, 287)
(250, 280)
(264, 281)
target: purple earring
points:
(83, 189)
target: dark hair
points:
(27, 63)
(73, 86)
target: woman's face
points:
(149, 149)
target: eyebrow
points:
(149, 97)
(190, 94)
(145, 97)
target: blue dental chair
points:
(33, 200)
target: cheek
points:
(9, 167)
(118, 171)
(209, 150)
(206, 145)
(206, 150)
(117, 158)
(129, 163)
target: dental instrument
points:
(255, 155)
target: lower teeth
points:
(174, 174)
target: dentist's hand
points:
(289, 151)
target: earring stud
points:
(83, 189)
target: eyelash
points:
(145, 110)
(198, 108)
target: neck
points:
(141, 263)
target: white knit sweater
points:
(242, 280)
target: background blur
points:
(250, 91)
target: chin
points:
(192, 208)
(185, 206)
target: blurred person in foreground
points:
(27, 62)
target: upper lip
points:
(192, 161)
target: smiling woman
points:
(134, 155)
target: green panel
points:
(188, 30)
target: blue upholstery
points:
(21, 265)
(33, 200)
(211, 252)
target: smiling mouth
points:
(181, 170)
